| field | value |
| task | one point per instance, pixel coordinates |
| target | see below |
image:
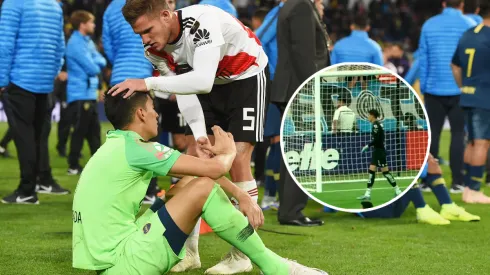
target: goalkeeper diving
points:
(109, 239)
(378, 157)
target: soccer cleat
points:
(234, 262)
(456, 189)
(297, 269)
(364, 198)
(52, 188)
(425, 188)
(269, 203)
(429, 216)
(398, 191)
(74, 171)
(453, 212)
(17, 198)
(149, 199)
(190, 261)
(476, 197)
(4, 152)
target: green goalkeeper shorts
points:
(146, 251)
(379, 158)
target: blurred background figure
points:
(266, 31)
(302, 50)
(358, 47)
(26, 87)
(125, 52)
(225, 5)
(84, 65)
(472, 10)
(441, 94)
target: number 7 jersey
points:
(203, 27)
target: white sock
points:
(250, 187)
(368, 192)
(192, 242)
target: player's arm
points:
(9, 27)
(107, 38)
(456, 67)
(423, 57)
(191, 110)
(198, 81)
(152, 156)
(378, 55)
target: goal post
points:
(326, 125)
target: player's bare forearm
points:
(458, 75)
(191, 166)
(231, 189)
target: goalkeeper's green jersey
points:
(109, 194)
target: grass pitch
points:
(344, 195)
(36, 239)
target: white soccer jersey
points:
(203, 27)
(345, 119)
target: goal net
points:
(326, 126)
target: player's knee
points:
(201, 188)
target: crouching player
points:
(109, 239)
(432, 175)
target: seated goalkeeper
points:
(108, 238)
(432, 175)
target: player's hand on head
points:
(224, 143)
(130, 86)
(251, 210)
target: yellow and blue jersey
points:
(473, 56)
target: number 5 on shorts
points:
(248, 117)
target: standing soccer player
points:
(471, 69)
(229, 75)
(379, 156)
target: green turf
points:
(37, 239)
(344, 195)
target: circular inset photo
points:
(355, 137)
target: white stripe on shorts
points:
(259, 114)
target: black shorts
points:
(238, 107)
(171, 119)
(379, 158)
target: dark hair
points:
(485, 10)
(120, 111)
(79, 17)
(133, 9)
(361, 21)
(470, 6)
(261, 13)
(453, 3)
(374, 113)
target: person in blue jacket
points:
(31, 52)
(84, 64)
(225, 5)
(438, 41)
(358, 47)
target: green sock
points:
(230, 225)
